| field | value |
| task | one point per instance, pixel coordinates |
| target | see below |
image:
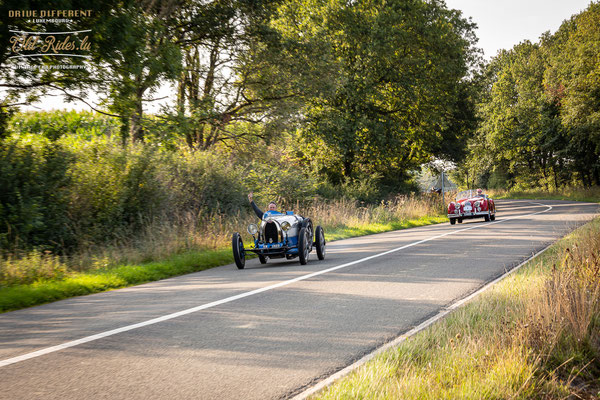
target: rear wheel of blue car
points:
(239, 255)
(262, 259)
(320, 242)
(304, 245)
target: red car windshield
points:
(468, 194)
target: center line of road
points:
(167, 317)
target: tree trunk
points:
(136, 129)
(124, 131)
(555, 177)
(348, 164)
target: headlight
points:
(252, 229)
(477, 204)
(285, 225)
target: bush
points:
(72, 193)
(34, 196)
(114, 190)
(202, 182)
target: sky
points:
(501, 25)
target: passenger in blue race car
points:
(271, 209)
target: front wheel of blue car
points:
(239, 255)
(320, 242)
(304, 245)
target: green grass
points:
(534, 335)
(15, 297)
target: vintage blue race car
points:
(278, 236)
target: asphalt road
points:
(271, 331)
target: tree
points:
(539, 114)
(396, 72)
(517, 118)
(232, 72)
(135, 53)
(573, 82)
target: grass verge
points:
(51, 280)
(535, 335)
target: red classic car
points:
(471, 204)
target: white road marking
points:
(167, 317)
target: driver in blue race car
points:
(271, 209)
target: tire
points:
(239, 255)
(452, 221)
(320, 242)
(303, 246)
(493, 217)
(262, 259)
(487, 217)
(307, 223)
(459, 220)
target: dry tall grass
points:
(345, 213)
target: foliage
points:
(230, 72)
(34, 197)
(114, 190)
(203, 182)
(395, 76)
(539, 112)
(135, 51)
